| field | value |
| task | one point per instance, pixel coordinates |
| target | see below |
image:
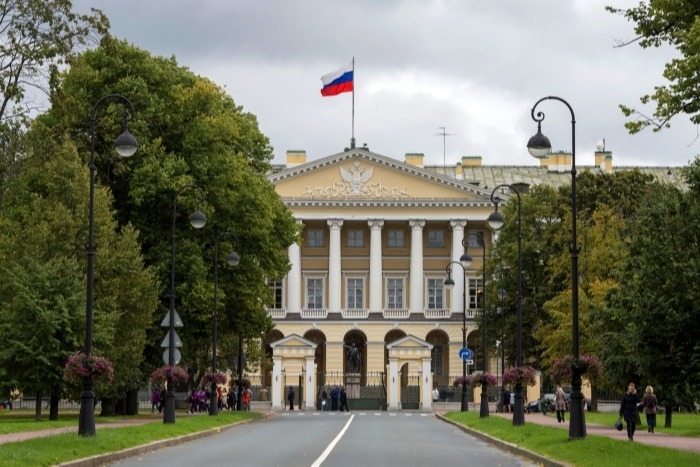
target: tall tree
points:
(674, 23)
(190, 132)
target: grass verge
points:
(66, 447)
(599, 451)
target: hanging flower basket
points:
(483, 379)
(160, 376)
(526, 375)
(214, 377)
(459, 380)
(100, 368)
(563, 368)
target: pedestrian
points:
(232, 399)
(343, 400)
(650, 402)
(290, 398)
(247, 396)
(436, 395)
(335, 394)
(161, 399)
(324, 400)
(155, 400)
(506, 400)
(560, 404)
(629, 410)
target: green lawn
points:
(591, 451)
(69, 446)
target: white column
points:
(334, 266)
(457, 272)
(416, 265)
(309, 386)
(294, 279)
(375, 265)
(427, 385)
(276, 382)
(394, 381)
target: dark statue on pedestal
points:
(354, 359)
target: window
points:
(356, 238)
(394, 294)
(436, 360)
(435, 294)
(395, 239)
(314, 238)
(474, 241)
(276, 287)
(355, 294)
(314, 294)
(436, 238)
(476, 294)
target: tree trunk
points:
(107, 407)
(120, 406)
(669, 413)
(53, 408)
(37, 407)
(132, 402)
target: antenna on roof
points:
(443, 134)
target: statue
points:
(354, 360)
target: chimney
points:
(295, 157)
(603, 158)
(415, 158)
(471, 161)
(557, 162)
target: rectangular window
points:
(276, 287)
(394, 294)
(435, 294)
(314, 294)
(476, 294)
(356, 238)
(436, 365)
(314, 238)
(436, 238)
(355, 294)
(395, 239)
(474, 241)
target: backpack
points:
(651, 401)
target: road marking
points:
(330, 447)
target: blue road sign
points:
(466, 354)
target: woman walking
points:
(629, 411)
(650, 402)
(560, 404)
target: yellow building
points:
(378, 238)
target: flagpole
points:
(352, 140)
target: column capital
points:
(416, 224)
(458, 224)
(335, 223)
(375, 224)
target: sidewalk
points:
(682, 443)
(25, 435)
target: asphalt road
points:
(361, 439)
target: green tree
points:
(673, 23)
(190, 132)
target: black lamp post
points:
(496, 221)
(501, 297)
(197, 220)
(539, 146)
(449, 283)
(125, 146)
(233, 259)
(466, 260)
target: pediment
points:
(358, 175)
(293, 341)
(409, 342)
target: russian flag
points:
(338, 81)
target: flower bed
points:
(525, 375)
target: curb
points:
(109, 457)
(505, 446)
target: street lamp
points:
(449, 283)
(501, 296)
(233, 259)
(197, 220)
(466, 260)
(125, 146)
(496, 221)
(539, 147)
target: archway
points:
(318, 338)
(391, 336)
(440, 357)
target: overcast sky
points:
(474, 67)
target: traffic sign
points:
(466, 354)
(469, 362)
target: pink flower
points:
(77, 368)
(218, 378)
(525, 375)
(160, 376)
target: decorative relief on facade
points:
(355, 184)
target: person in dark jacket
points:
(650, 402)
(343, 400)
(629, 410)
(290, 398)
(335, 394)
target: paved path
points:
(683, 443)
(24, 435)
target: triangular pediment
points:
(409, 342)
(293, 341)
(360, 176)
